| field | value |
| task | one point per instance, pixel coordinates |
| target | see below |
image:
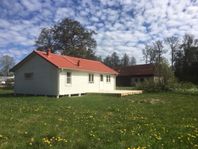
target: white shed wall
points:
(80, 83)
(44, 81)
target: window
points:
(142, 79)
(28, 76)
(101, 77)
(68, 77)
(108, 78)
(91, 78)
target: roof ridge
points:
(138, 65)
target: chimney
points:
(78, 63)
(48, 51)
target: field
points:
(150, 120)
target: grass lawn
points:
(150, 120)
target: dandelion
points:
(173, 141)
(32, 139)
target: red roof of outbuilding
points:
(74, 63)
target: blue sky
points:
(122, 26)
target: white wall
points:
(44, 81)
(80, 83)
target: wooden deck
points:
(120, 92)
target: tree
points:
(6, 63)
(178, 65)
(173, 43)
(159, 51)
(189, 47)
(133, 61)
(146, 52)
(107, 61)
(113, 60)
(186, 61)
(68, 37)
(149, 54)
(153, 54)
(159, 59)
(45, 39)
(125, 60)
(163, 83)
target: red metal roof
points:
(137, 70)
(74, 63)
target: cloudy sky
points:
(123, 26)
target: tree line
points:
(183, 52)
(115, 61)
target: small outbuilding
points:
(46, 73)
(131, 75)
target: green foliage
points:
(68, 37)
(184, 56)
(157, 120)
(125, 61)
(9, 83)
(186, 61)
(173, 43)
(186, 88)
(152, 86)
(115, 61)
(154, 53)
(163, 81)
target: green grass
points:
(163, 120)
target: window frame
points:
(28, 75)
(91, 78)
(101, 78)
(68, 78)
(108, 78)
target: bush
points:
(152, 86)
(164, 82)
(186, 88)
(9, 83)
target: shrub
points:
(152, 86)
(9, 83)
(165, 80)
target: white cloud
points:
(31, 5)
(64, 12)
(121, 25)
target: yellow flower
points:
(32, 139)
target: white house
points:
(45, 73)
